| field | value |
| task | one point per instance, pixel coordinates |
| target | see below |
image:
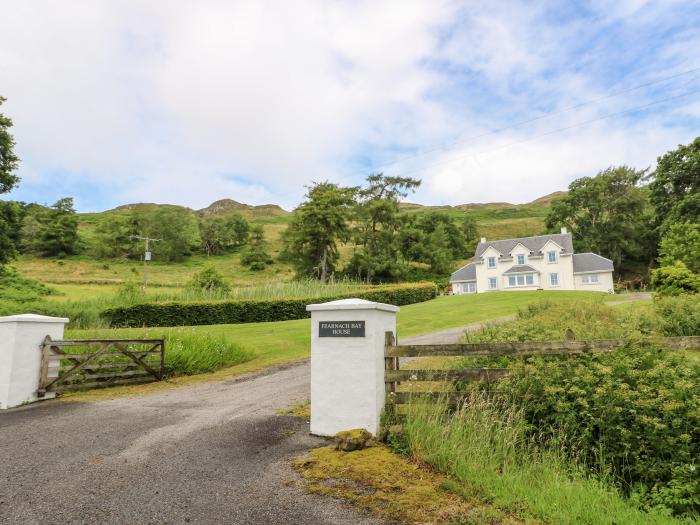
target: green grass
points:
(454, 311)
(288, 341)
(487, 448)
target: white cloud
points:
(188, 102)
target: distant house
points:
(545, 262)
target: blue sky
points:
(189, 102)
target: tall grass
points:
(86, 313)
(486, 445)
(187, 351)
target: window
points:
(520, 259)
(527, 279)
(493, 283)
(471, 287)
(553, 279)
(552, 256)
(492, 262)
(589, 279)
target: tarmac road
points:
(210, 453)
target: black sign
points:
(341, 328)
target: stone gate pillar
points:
(347, 364)
(21, 338)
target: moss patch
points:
(302, 409)
(392, 487)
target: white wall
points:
(21, 337)
(605, 283)
(347, 373)
(564, 267)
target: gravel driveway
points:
(208, 453)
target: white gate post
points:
(21, 338)
(347, 364)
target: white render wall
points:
(605, 282)
(21, 337)
(347, 373)
(564, 267)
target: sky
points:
(179, 102)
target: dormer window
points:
(520, 259)
(491, 261)
(552, 256)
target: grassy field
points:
(284, 342)
(80, 277)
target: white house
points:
(545, 262)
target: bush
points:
(209, 280)
(675, 279)
(634, 413)
(233, 312)
(680, 315)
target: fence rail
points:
(114, 362)
(395, 375)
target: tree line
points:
(383, 244)
(640, 219)
(637, 218)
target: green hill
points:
(82, 276)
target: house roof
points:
(520, 268)
(591, 262)
(534, 244)
(465, 273)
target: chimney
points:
(483, 239)
(563, 229)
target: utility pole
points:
(146, 258)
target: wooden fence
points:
(114, 362)
(395, 375)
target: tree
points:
(434, 239)
(681, 243)
(256, 256)
(8, 160)
(675, 186)
(608, 214)
(378, 256)
(8, 164)
(318, 225)
(113, 237)
(51, 232)
(222, 235)
(10, 226)
(470, 235)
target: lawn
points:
(284, 342)
(460, 310)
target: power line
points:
(558, 130)
(535, 119)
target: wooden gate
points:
(98, 363)
(394, 374)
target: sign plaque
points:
(341, 328)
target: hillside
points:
(83, 276)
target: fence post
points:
(347, 364)
(21, 349)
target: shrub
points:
(232, 312)
(634, 413)
(680, 315)
(675, 279)
(209, 280)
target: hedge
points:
(235, 312)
